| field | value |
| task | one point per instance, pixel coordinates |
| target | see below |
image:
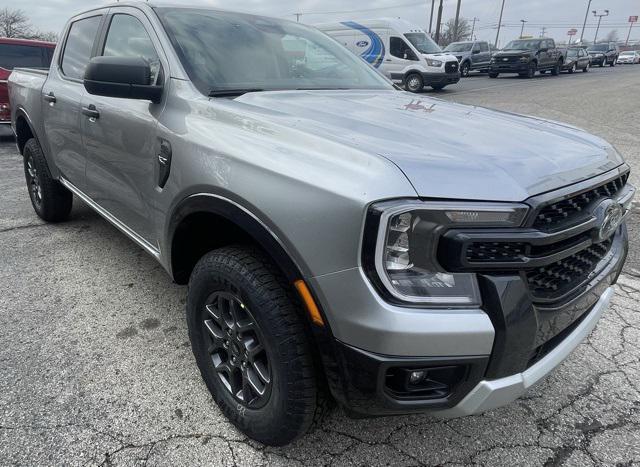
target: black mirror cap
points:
(124, 77)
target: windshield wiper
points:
(231, 92)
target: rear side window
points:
(127, 37)
(77, 50)
(13, 55)
(484, 47)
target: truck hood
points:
(446, 150)
(446, 56)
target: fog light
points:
(416, 376)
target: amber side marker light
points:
(312, 308)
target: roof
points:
(11, 40)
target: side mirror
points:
(124, 77)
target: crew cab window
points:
(484, 47)
(476, 47)
(77, 50)
(399, 48)
(127, 37)
(15, 55)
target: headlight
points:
(524, 59)
(436, 63)
(404, 237)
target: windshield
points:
(232, 51)
(459, 47)
(598, 48)
(572, 53)
(423, 43)
(522, 45)
(627, 53)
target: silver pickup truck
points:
(341, 239)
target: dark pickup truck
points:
(526, 57)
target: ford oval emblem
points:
(609, 216)
(362, 43)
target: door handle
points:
(50, 98)
(91, 112)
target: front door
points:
(400, 57)
(62, 93)
(121, 134)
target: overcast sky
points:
(556, 15)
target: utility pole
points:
(456, 33)
(499, 24)
(433, 3)
(543, 31)
(599, 16)
(584, 25)
(473, 27)
(522, 28)
(437, 38)
(298, 15)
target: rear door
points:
(62, 93)
(121, 141)
(484, 57)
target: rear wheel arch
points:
(24, 130)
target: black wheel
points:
(465, 68)
(573, 69)
(613, 63)
(531, 71)
(414, 82)
(51, 201)
(555, 71)
(493, 74)
(586, 68)
(251, 345)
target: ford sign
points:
(362, 43)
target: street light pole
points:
(473, 28)
(455, 25)
(437, 38)
(499, 24)
(584, 25)
(522, 28)
(433, 2)
(595, 13)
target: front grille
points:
(561, 277)
(571, 210)
(481, 252)
(451, 67)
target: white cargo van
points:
(401, 51)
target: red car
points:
(20, 53)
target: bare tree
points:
(451, 34)
(16, 24)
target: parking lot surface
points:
(96, 367)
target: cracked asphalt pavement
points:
(96, 367)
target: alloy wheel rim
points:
(35, 190)
(236, 349)
(413, 83)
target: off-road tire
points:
(51, 201)
(555, 71)
(294, 402)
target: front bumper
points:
(511, 67)
(431, 79)
(490, 394)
